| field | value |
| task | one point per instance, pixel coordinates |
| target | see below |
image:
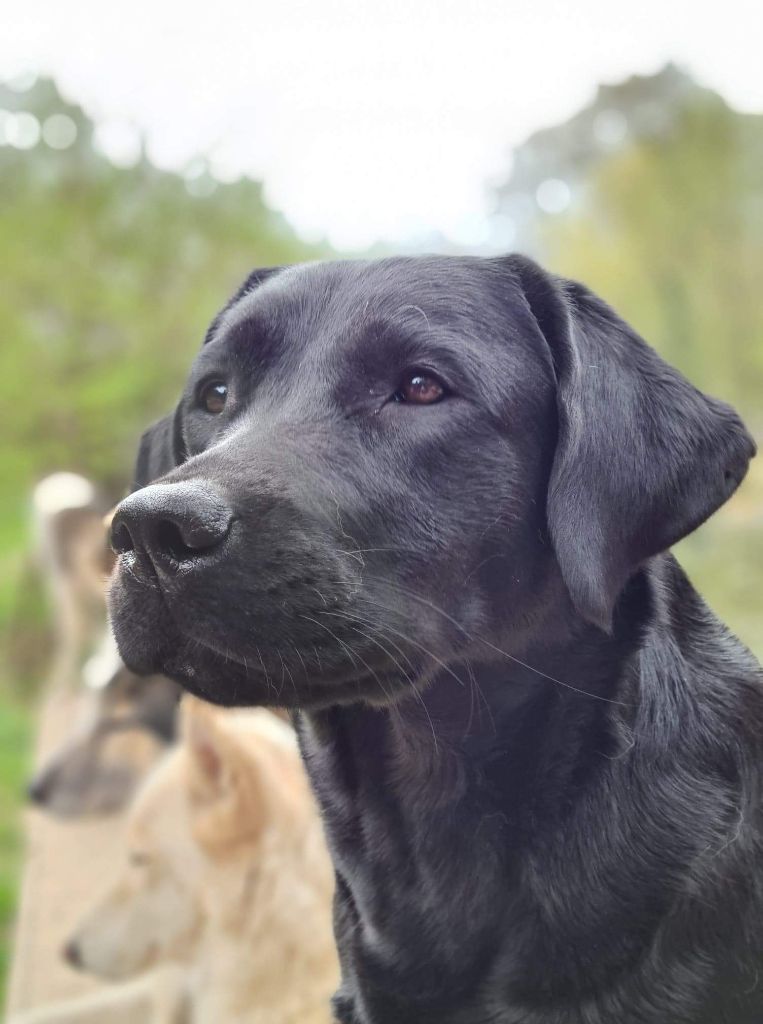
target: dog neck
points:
(505, 728)
(459, 810)
(533, 712)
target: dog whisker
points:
(341, 643)
(406, 675)
(352, 653)
(354, 552)
(494, 523)
(291, 677)
(302, 660)
(485, 701)
(490, 558)
(374, 629)
(421, 647)
(397, 550)
(410, 681)
(317, 659)
(264, 669)
(518, 661)
(283, 675)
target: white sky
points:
(368, 118)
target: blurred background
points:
(149, 159)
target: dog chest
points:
(414, 912)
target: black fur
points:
(537, 752)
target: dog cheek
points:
(177, 927)
(112, 939)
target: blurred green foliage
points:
(671, 231)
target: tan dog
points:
(226, 874)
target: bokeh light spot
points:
(610, 128)
(119, 141)
(553, 195)
(22, 130)
(59, 131)
(23, 81)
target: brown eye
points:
(214, 396)
(420, 388)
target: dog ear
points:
(254, 280)
(226, 798)
(206, 749)
(161, 449)
(642, 457)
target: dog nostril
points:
(121, 538)
(170, 522)
(170, 540)
(37, 791)
(71, 953)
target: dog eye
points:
(213, 396)
(420, 388)
(138, 859)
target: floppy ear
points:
(161, 450)
(642, 457)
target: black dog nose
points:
(178, 522)
(37, 790)
(71, 953)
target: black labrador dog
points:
(426, 503)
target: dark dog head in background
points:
(378, 468)
(129, 725)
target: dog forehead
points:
(328, 309)
(340, 293)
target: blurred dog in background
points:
(127, 723)
(74, 559)
(123, 722)
(226, 882)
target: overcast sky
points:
(370, 118)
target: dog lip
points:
(306, 691)
(254, 666)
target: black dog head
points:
(377, 466)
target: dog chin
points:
(228, 688)
(206, 674)
(148, 649)
(149, 642)
(229, 685)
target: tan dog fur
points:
(226, 873)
